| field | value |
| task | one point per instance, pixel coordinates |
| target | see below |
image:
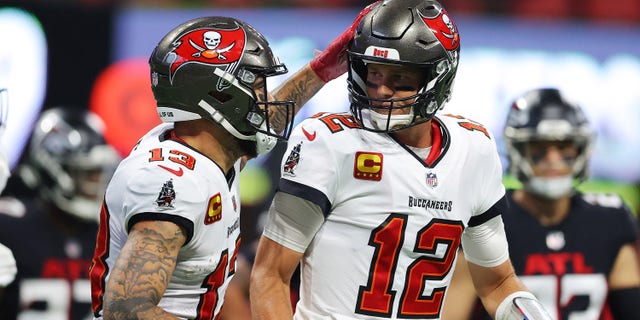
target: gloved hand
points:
(332, 62)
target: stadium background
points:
(93, 54)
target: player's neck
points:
(211, 140)
(63, 221)
(418, 136)
(547, 212)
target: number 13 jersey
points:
(165, 179)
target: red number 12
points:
(376, 298)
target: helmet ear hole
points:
(220, 97)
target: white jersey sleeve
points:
(293, 221)
(310, 168)
(491, 173)
(312, 178)
(484, 240)
(144, 189)
(486, 244)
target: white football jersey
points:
(393, 220)
(165, 179)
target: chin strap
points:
(264, 142)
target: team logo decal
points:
(368, 166)
(292, 160)
(208, 46)
(432, 179)
(555, 240)
(444, 29)
(382, 52)
(310, 136)
(214, 209)
(166, 196)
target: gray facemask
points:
(550, 188)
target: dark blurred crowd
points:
(627, 11)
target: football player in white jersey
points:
(169, 227)
(374, 204)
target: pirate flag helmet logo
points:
(207, 46)
(444, 29)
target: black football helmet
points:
(546, 115)
(206, 68)
(68, 163)
(413, 33)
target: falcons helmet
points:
(68, 161)
(206, 68)
(546, 115)
(413, 33)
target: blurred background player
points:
(7, 261)
(50, 222)
(4, 162)
(574, 251)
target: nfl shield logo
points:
(555, 240)
(432, 179)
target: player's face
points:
(89, 183)
(551, 158)
(258, 88)
(393, 82)
(264, 96)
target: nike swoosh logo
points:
(178, 172)
(310, 136)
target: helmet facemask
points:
(69, 163)
(554, 187)
(81, 194)
(378, 115)
(256, 125)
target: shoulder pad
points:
(610, 200)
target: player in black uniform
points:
(51, 224)
(7, 262)
(574, 251)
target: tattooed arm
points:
(326, 66)
(299, 88)
(142, 271)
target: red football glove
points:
(332, 62)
